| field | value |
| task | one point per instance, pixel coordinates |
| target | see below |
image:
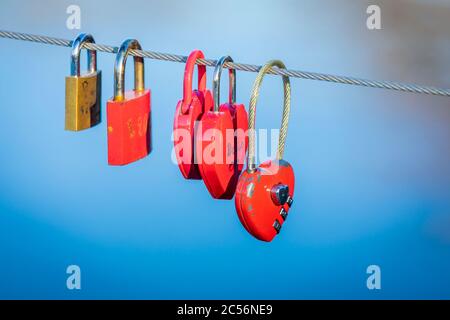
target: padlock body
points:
(184, 132)
(129, 128)
(216, 149)
(221, 178)
(83, 101)
(254, 204)
(240, 122)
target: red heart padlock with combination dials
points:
(264, 194)
(188, 111)
(223, 142)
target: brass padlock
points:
(83, 91)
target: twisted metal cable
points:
(238, 66)
(252, 112)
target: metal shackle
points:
(216, 82)
(77, 45)
(119, 69)
(187, 81)
(251, 166)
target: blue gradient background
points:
(372, 166)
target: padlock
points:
(264, 194)
(129, 113)
(187, 113)
(83, 91)
(223, 142)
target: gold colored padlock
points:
(83, 91)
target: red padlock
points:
(188, 111)
(223, 142)
(128, 113)
(264, 194)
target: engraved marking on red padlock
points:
(264, 194)
(218, 129)
(129, 113)
(188, 111)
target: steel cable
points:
(413, 88)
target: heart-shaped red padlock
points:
(240, 121)
(223, 141)
(264, 194)
(188, 111)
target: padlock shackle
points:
(251, 165)
(77, 45)
(188, 74)
(119, 69)
(216, 82)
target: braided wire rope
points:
(252, 112)
(390, 85)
